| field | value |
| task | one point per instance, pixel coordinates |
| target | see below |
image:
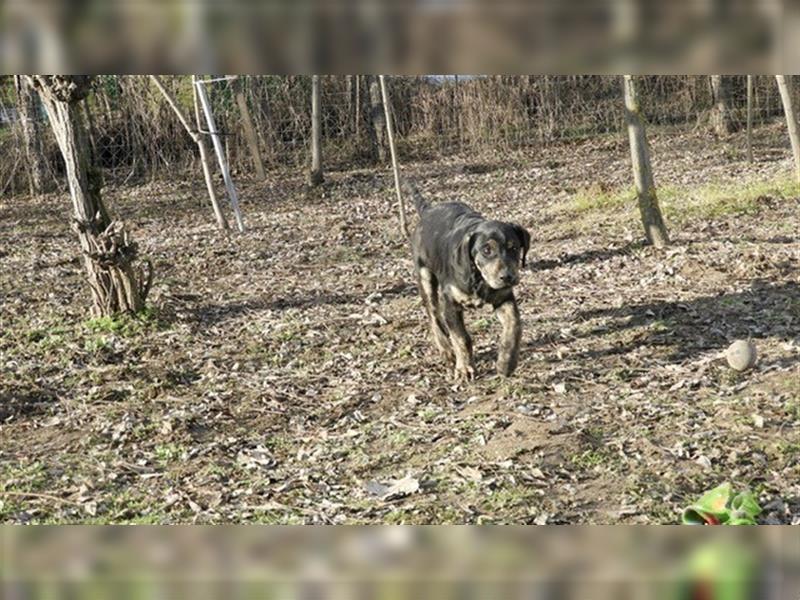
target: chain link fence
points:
(135, 136)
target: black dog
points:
(464, 260)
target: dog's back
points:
(440, 227)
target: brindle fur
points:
(464, 260)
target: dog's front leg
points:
(459, 338)
(429, 291)
(508, 352)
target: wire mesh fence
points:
(135, 136)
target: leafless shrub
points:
(138, 137)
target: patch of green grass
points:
(718, 200)
(449, 515)
(47, 338)
(598, 198)
(167, 453)
(682, 203)
(789, 449)
(622, 374)
(589, 458)
(271, 517)
(97, 344)
(429, 414)
(130, 508)
(398, 516)
(512, 388)
(661, 325)
(792, 409)
(125, 325)
(482, 324)
(289, 330)
(405, 352)
(277, 442)
(27, 478)
(9, 507)
(399, 439)
(508, 497)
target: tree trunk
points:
(395, 169)
(785, 88)
(205, 161)
(357, 116)
(653, 222)
(349, 93)
(31, 136)
(199, 140)
(249, 128)
(377, 119)
(750, 119)
(216, 140)
(108, 251)
(549, 104)
(315, 175)
(720, 114)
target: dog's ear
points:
(524, 240)
(462, 257)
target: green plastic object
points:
(720, 507)
(721, 571)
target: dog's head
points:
(497, 250)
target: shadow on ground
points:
(697, 326)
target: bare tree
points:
(377, 119)
(395, 169)
(108, 251)
(653, 222)
(785, 88)
(750, 119)
(315, 175)
(199, 140)
(205, 161)
(31, 136)
(357, 116)
(249, 128)
(720, 114)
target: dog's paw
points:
(464, 372)
(506, 365)
(505, 369)
(445, 349)
(448, 355)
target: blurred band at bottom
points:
(664, 563)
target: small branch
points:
(175, 107)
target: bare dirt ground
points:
(285, 375)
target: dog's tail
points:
(419, 202)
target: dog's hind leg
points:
(459, 338)
(429, 290)
(508, 352)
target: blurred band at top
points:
(400, 36)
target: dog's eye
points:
(487, 250)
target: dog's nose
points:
(508, 278)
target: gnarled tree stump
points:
(108, 251)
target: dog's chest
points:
(464, 299)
